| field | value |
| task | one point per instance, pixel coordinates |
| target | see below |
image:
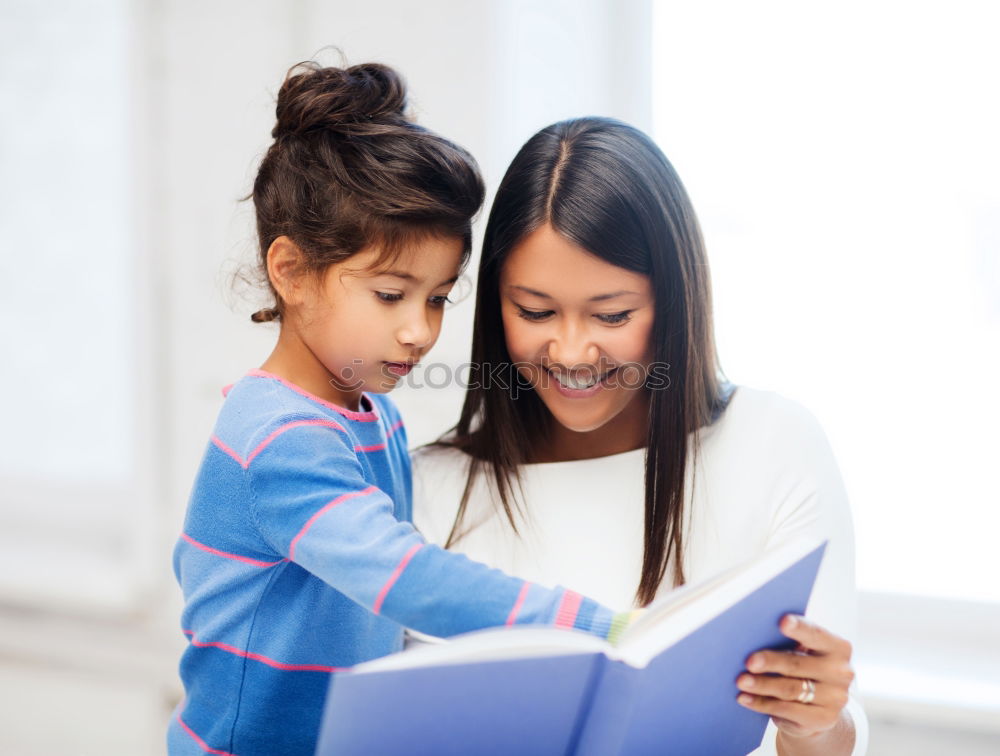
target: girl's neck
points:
(296, 363)
(625, 432)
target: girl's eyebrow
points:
(598, 298)
(413, 279)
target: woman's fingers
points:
(792, 689)
(819, 671)
(813, 637)
(803, 666)
(823, 656)
(794, 716)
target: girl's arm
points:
(313, 505)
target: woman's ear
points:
(285, 268)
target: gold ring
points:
(808, 694)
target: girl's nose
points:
(416, 331)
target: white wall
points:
(196, 93)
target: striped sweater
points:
(298, 560)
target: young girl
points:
(297, 559)
(621, 462)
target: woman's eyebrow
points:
(612, 295)
(598, 298)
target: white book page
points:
(683, 611)
(494, 644)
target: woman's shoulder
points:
(754, 403)
(765, 438)
(767, 472)
(439, 468)
(774, 445)
(439, 453)
(440, 473)
(768, 422)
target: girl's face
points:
(579, 329)
(359, 329)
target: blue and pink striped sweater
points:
(298, 560)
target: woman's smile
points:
(579, 386)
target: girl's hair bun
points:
(348, 170)
(349, 100)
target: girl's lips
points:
(573, 393)
(399, 368)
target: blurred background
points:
(843, 159)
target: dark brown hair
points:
(608, 188)
(348, 169)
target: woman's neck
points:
(626, 431)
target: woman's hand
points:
(804, 691)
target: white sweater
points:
(765, 473)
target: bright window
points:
(843, 159)
(72, 471)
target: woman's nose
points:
(571, 348)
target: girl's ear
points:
(285, 268)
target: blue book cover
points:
(669, 687)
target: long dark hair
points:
(348, 168)
(608, 188)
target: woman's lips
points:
(575, 393)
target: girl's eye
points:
(440, 300)
(385, 296)
(533, 315)
(616, 318)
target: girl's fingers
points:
(790, 688)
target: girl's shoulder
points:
(385, 408)
(259, 407)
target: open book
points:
(668, 687)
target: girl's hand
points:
(804, 691)
(621, 622)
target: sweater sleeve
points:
(816, 505)
(313, 505)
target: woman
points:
(599, 447)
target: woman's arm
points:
(813, 503)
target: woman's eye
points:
(440, 300)
(616, 317)
(386, 296)
(533, 315)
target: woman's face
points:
(578, 328)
